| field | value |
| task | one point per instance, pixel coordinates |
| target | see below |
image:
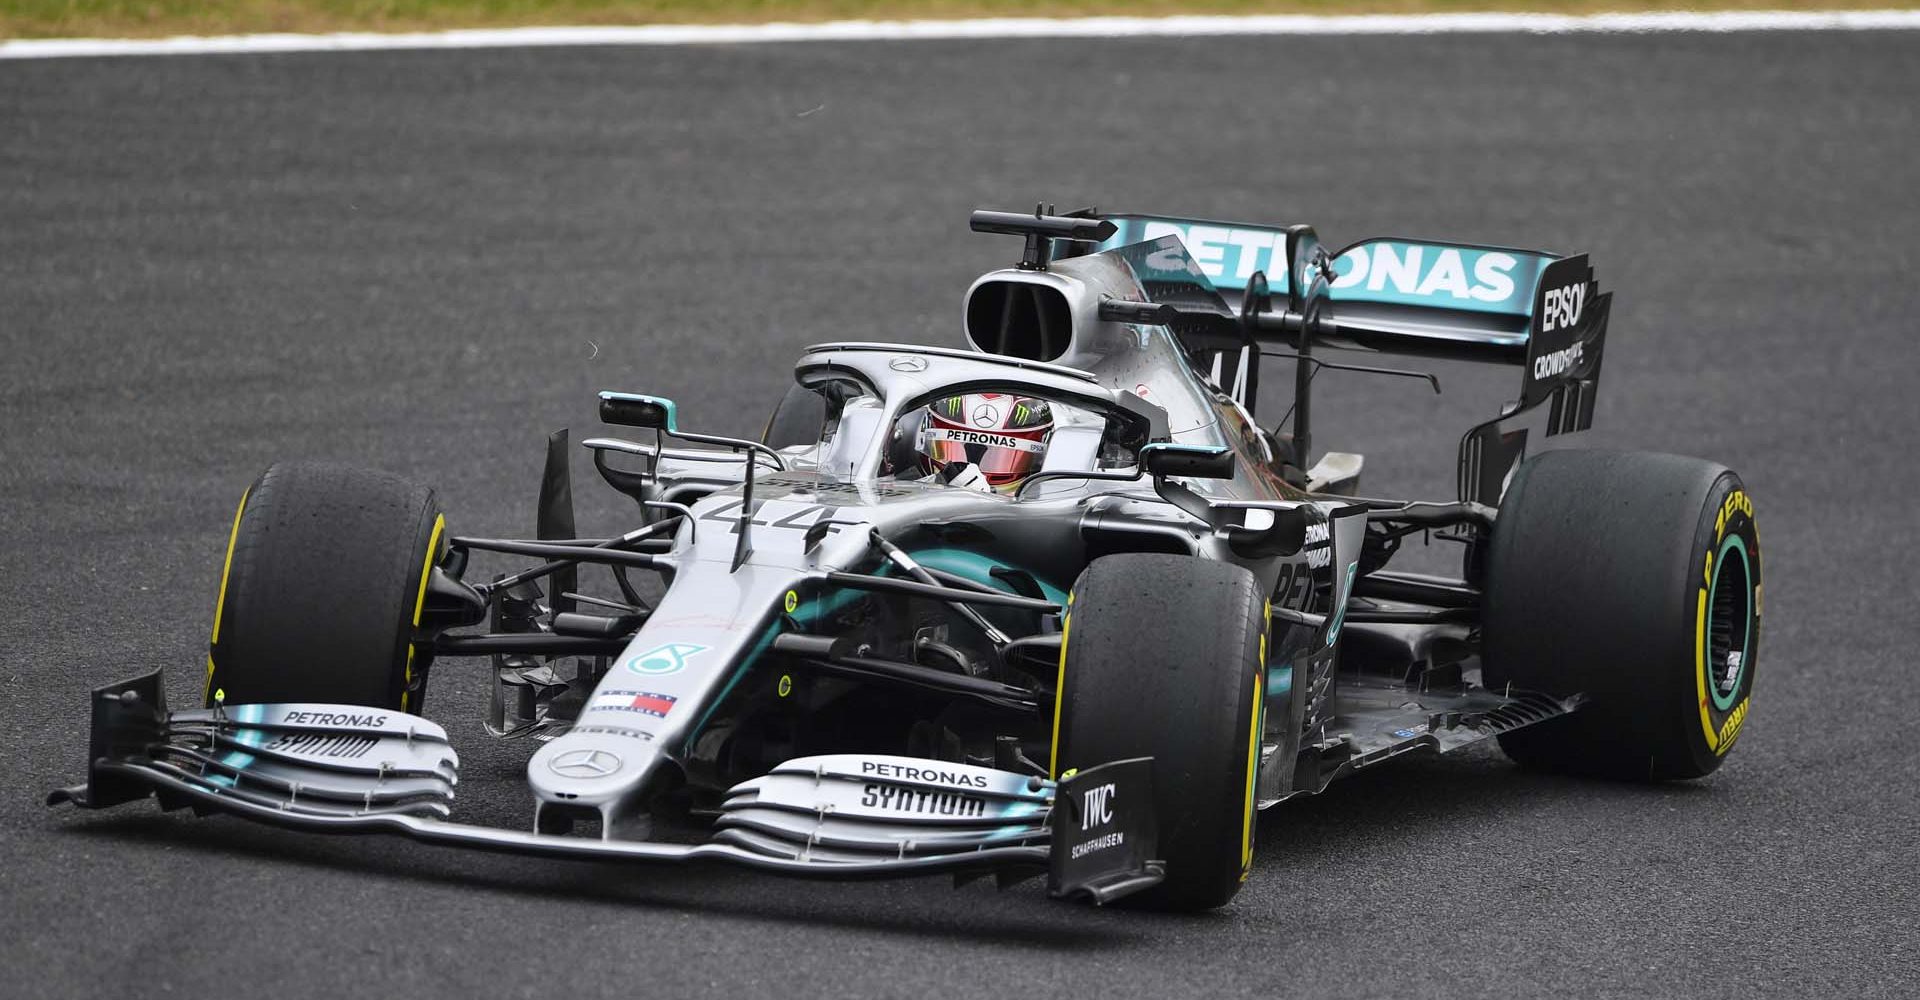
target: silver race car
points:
(1055, 604)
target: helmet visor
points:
(1002, 456)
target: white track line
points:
(1026, 27)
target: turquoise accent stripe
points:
(672, 409)
(237, 759)
(1733, 544)
(979, 569)
(746, 666)
(959, 562)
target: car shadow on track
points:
(1419, 797)
(888, 908)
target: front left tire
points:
(1163, 656)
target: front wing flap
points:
(349, 769)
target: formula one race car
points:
(1056, 604)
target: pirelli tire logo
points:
(1730, 728)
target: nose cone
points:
(597, 770)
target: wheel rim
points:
(1729, 623)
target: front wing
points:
(350, 769)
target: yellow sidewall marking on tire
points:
(1738, 501)
(1700, 670)
(1253, 770)
(1721, 740)
(1060, 691)
(220, 603)
(1718, 740)
(1730, 729)
(420, 600)
(426, 566)
(233, 537)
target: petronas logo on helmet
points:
(1002, 435)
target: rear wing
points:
(1277, 286)
(1420, 297)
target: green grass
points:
(148, 18)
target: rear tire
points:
(323, 586)
(1632, 578)
(1163, 656)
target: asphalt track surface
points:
(424, 261)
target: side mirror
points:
(1194, 461)
(630, 409)
(1269, 531)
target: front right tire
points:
(324, 583)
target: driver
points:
(986, 440)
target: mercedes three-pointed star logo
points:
(985, 415)
(585, 763)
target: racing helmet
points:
(1003, 434)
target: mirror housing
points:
(1193, 461)
(631, 409)
(1266, 530)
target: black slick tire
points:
(1634, 579)
(1163, 656)
(322, 587)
